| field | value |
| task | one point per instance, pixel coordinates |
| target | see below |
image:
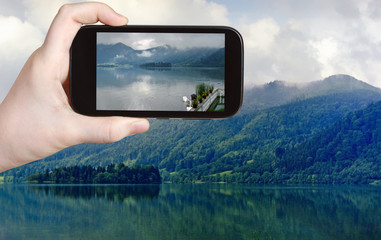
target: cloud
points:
(172, 12)
(41, 13)
(284, 39)
(349, 41)
(301, 45)
(143, 44)
(260, 35)
(145, 54)
(143, 41)
(274, 51)
(12, 8)
(17, 41)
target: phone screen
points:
(160, 71)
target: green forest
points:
(112, 174)
(326, 132)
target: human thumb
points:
(109, 129)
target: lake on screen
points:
(176, 212)
(137, 88)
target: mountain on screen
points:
(120, 54)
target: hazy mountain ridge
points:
(280, 92)
(120, 53)
(246, 146)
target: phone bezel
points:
(83, 71)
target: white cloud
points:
(327, 52)
(173, 12)
(275, 51)
(41, 13)
(349, 42)
(304, 45)
(260, 35)
(17, 41)
(145, 54)
(22, 35)
(142, 44)
(336, 57)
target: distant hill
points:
(122, 54)
(336, 83)
(255, 146)
(280, 92)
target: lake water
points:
(147, 89)
(189, 212)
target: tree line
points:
(156, 65)
(112, 174)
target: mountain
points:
(280, 92)
(255, 146)
(121, 54)
(113, 53)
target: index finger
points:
(71, 17)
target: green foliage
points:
(257, 236)
(200, 89)
(347, 153)
(119, 174)
(194, 103)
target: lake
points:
(189, 212)
(158, 89)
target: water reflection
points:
(189, 212)
(108, 192)
(147, 89)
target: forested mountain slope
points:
(347, 152)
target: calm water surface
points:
(147, 89)
(189, 212)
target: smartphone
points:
(193, 72)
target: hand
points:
(36, 119)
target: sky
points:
(291, 40)
(143, 41)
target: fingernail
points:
(139, 126)
(124, 17)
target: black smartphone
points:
(191, 72)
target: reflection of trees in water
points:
(109, 192)
(199, 211)
(281, 212)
